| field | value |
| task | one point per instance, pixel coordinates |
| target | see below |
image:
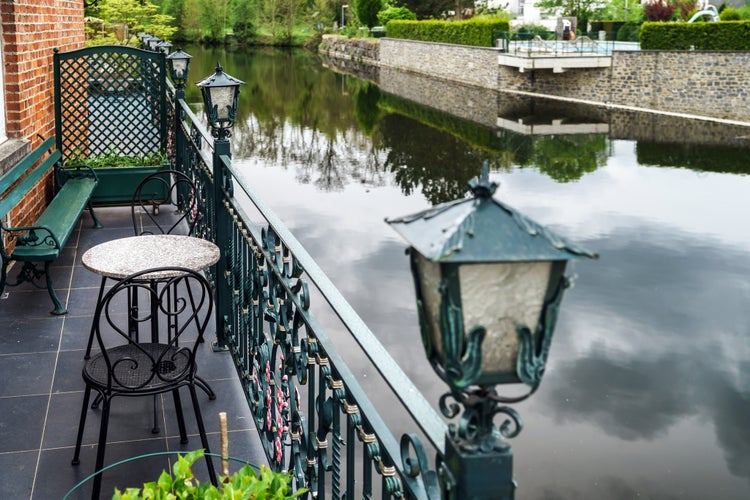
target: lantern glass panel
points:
(497, 296)
(500, 297)
(178, 67)
(223, 99)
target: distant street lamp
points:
(152, 41)
(343, 19)
(489, 282)
(164, 47)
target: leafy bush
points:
(367, 11)
(182, 484)
(113, 158)
(725, 35)
(244, 31)
(475, 32)
(529, 31)
(730, 14)
(628, 32)
(390, 13)
(658, 10)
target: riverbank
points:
(700, 84)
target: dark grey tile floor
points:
(41, 390)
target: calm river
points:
(647, 391)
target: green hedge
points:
(477, 32)
(723, 35)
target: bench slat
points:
(14, 196)
(60, 217)
(17, 171)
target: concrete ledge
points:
(558, 64)
(11, 152)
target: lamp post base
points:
(486, 475)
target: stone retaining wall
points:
(705, 83)
(702, 83)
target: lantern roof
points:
(482, 229)
(219, 79)
(179, 54)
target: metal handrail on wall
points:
(312, 415)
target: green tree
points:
(367, 11)
(427, 9)
(244, 13)
(215, 19)
(390, 13)
(136, 15)
(620, 10)
(583, 10)
(190, 28)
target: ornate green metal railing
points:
(312, 415)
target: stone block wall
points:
(357, 50)
(702, 83)
(458, 63)
(706, 83)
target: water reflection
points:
(649, 384)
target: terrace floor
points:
(41, 389)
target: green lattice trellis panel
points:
(110, 100)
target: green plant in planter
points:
(245, 484)
(113, 158)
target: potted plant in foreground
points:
(119, 174)
(246, 483)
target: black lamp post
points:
(179, 67)
(489, 282)
(220, 98)
(221, 94)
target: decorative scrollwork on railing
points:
(308, 417)
(417, 466)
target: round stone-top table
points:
(122, 257)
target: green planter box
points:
(117, 184)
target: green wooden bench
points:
(43, 240)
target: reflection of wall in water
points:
(469, 103)
(631, 125)
(352, 67)
(484, 106)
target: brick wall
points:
(30, 30)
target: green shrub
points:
(529, 31)
(182, 484)
(475, 32)
(390, 13)
(730, 14)
(628, 32)
(724, 35)
(367, 11)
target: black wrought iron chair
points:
(130, 368)
(170, 187)
(165, 187)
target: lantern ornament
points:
(488, 284)
(152, 41)
(220, 97)
(179, 66)
(164, 47)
